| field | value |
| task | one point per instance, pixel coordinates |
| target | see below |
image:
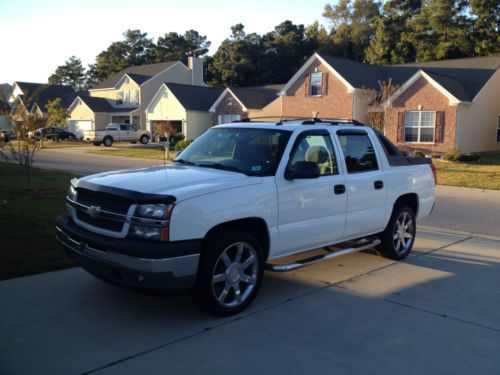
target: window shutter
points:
(325, 84)
(439, 130)
(401, 127)
(306, 85)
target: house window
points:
(226, 119)
(498, 129)
(126, 96)
(316, 84)
(133, 96)
(420, 126)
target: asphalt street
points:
(437, 312)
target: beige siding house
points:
(125, 96)
(184, 107)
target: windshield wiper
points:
(182, 161)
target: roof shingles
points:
(139, 73)
(463, 78)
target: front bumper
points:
(174, 271)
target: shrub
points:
(469, 157)
(453, 154)
(405, 151)
(176, 138)
(419, 154)
(436, 156)
(181, 145)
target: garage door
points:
(78, 127)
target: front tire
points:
(230, 272)
(399, 236)
(144, 139)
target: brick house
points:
(238, 103)
(438, 105)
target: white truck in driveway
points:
(116, 133)
(240, 199)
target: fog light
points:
(149, 233)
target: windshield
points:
(255, 152)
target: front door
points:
(311, 211)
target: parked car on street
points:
(53, 133)
(238, 200)
(116, 133)
(7, 136)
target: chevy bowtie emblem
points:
(93, 212)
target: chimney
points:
(196, 66)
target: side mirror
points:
(303, 170)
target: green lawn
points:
(27, 221)
(134, 152)
(484, 174)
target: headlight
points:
(154, 211)
(156, 225)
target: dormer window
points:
(316, 83)
(229, 102)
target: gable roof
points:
(194, 98)
(102, 105)
(256, 97)
(139, 73)
(41, 93)
(96, 104)
(462, 78)
(251, 97)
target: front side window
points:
(317, 149)
(358, 153)
(316, 84)
(420, 126)
(255, 152)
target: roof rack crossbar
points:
(303, 120)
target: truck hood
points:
(182, 182)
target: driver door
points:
(312, 212)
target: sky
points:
(39, 35)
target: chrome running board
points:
(319, 258)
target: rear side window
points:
(358, 152)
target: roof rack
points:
(304, 120)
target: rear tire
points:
(399, 236)
(108, 141)
(230, 272)
(144, 139)
(96, 143)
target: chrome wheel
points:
(235, 274)
(404, 233)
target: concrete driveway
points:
(437, 312)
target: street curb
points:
(458, 232)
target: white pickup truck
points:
(242, 198)
(116, 133)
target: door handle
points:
(378, 185)
(339, 189)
